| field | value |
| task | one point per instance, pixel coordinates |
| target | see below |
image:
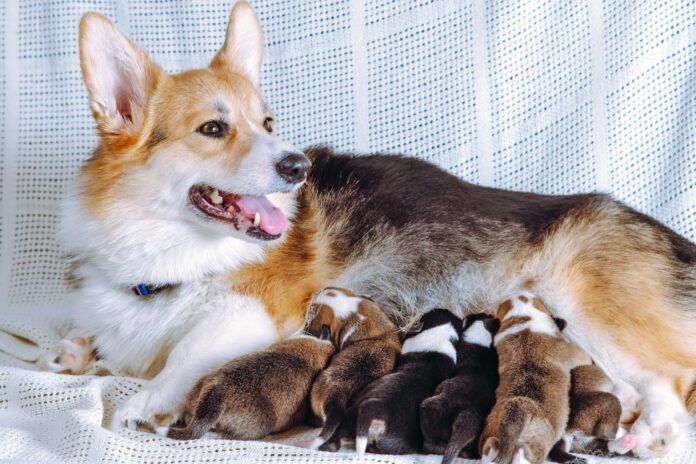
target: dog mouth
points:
(251, 214)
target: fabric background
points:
(550, 96)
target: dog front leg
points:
(232, 330)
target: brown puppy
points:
(595, 415)
(257, 394)
(532, 406)
(368, 344)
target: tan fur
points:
(594, 410)
(291, 274)
(252, 400)
(368, 352)
(532, 404)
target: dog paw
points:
(624, 442)
(147, 411)
(72, 356)
(653, 439)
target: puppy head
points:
(437, 330)
(479, 329)
(196, 149)
(345, 317)
(527, 312)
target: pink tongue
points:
(273, 221)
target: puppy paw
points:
(147, 411)
(72, 356)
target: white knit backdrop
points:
(551, 96)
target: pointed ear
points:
(561, 323)
(492, 325)
(119, 75)
(243, 47)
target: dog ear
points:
(492, 325)
(243, 47)
(561, 323)
(325, 332)
(118, 73)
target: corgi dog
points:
(594, 421)
(198, 235)
(367, 343)
(257, 394)
(532, 403)
(452, 419)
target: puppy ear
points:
(119, 75)
(243, 47)
(325, 332)
(492, 325)
(561, 323)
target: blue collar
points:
(148, 290)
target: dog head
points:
(437, 330)
(479, 329)
(189, 157)
(345, 318)
(527, 312)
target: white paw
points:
(654, 438)
(147, 410)
(72, 356)
(624, 442)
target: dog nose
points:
(293, 167)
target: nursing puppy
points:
(532, 404)
(383, 418)
(595, 416)
(367, 343)
(452, 419)
(256, 394)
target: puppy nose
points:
(293, 167)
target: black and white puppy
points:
(383, 417)
(452, 419)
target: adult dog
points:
(200, 236)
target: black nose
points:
(293, 167)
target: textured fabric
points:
(549, 96)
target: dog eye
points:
(268, 125)
(214, 129)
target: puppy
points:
(257, 394)
(368, 344)
(385, 413)
(532, 405)
(595, 416)
(452, 419)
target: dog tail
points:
(514, 417)
(465, 429)
(371, 424)
(334, 411)
(206, 414)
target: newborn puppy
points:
(257, 394)
(532, 405)
(368, 344)
(452, 419)
(595, 414)
(385, 413)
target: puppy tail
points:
(371, 424)
(334, 414)
(514, 417)
(205, 415)
(465, 429)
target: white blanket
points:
(551, 96)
